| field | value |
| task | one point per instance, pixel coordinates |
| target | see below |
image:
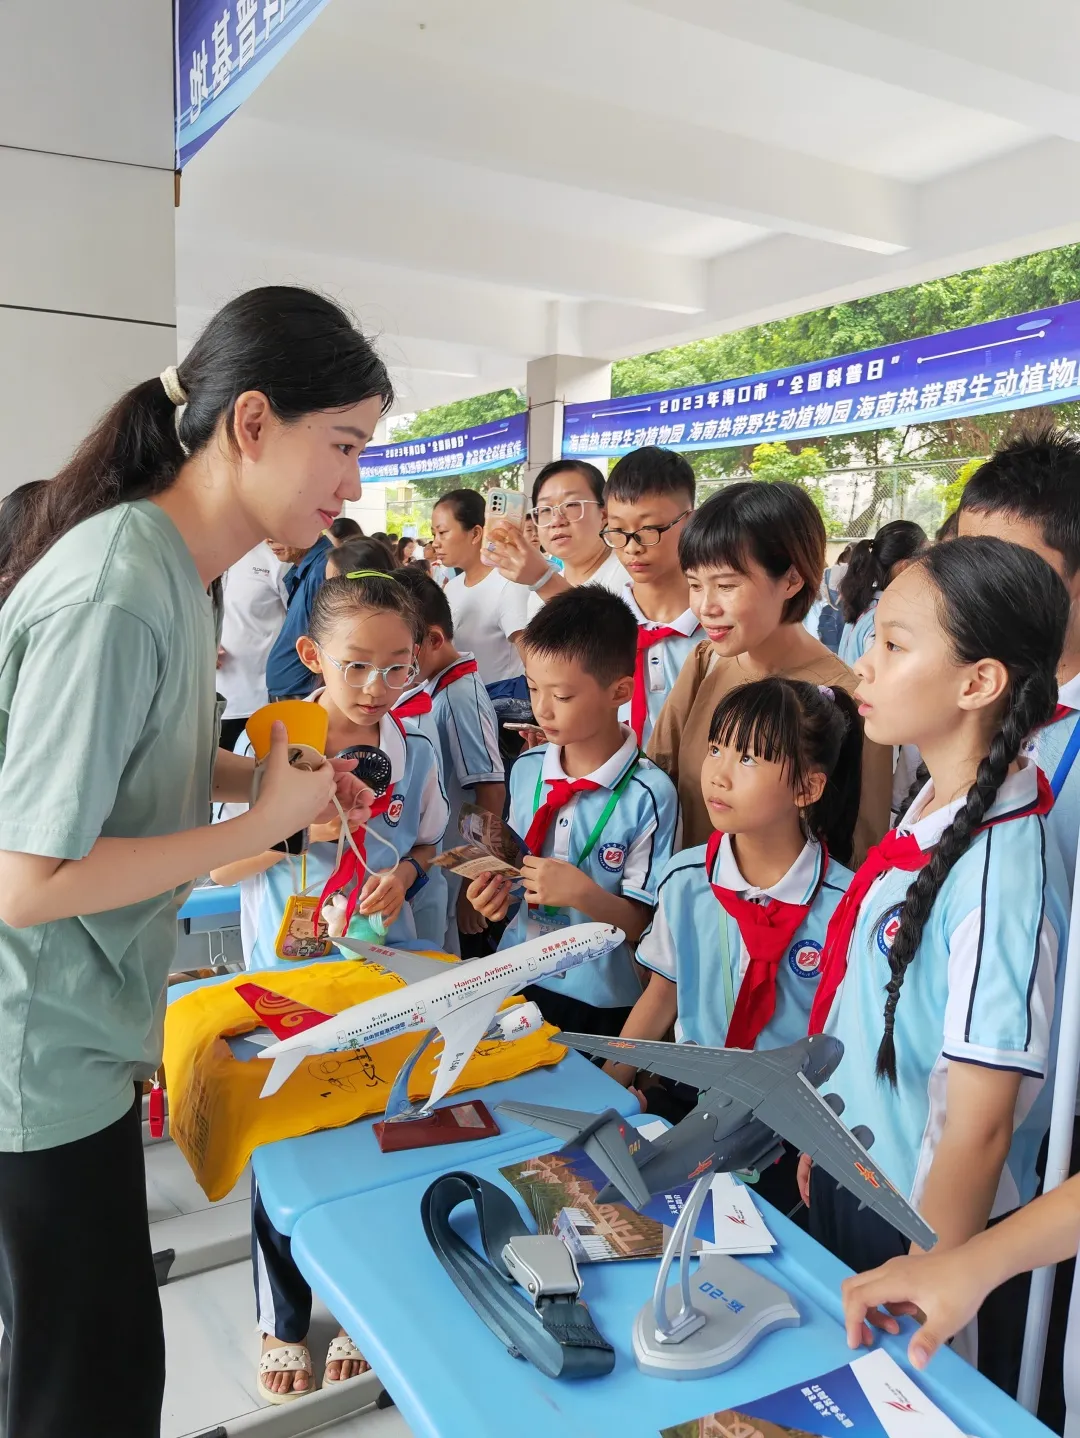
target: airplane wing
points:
(786, 1102)
(798, 1113)
(741, 1075)
(605, 1140)
(461, 1031)
(407, 965)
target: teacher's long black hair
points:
(296, 347)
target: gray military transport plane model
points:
(749, 1102)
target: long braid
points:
(1031, 703)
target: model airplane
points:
(749, 1102)
(460, 1000)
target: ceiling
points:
(488, 181)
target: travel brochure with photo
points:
(870, 1398)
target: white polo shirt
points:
(611, 575)
(486, 617)
(255, 602)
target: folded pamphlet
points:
(872, 1397)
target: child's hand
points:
(643, 1102)
(554, 882)
(383, 894)
(469, 920)
(489, 894)
(944, 1291)
(802, 1177)
(352, 794)
(325, 833)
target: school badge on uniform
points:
(612, 857)
(394, 811)
(887, 929)
(804, 958)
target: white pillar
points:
(87, 275)
(550, 383)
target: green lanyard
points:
(598, 829)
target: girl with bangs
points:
(780, 783)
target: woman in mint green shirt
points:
(108, 766)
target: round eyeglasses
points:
(572, 510)
(647, 535)
(358, 673)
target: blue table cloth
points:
(297, 1174)
(369, 1261)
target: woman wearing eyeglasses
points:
(568, 508)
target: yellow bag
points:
(215, 1113)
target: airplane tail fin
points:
(282, 1068)
(610, 1140)
(283, 1016)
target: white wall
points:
(87, 272)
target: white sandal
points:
(289, 1358)
(344, 1350)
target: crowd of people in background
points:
(814, 798)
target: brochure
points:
(491, 846)
(870, 1398)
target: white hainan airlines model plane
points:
(459, 1000)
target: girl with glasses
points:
(362, 642)
(568, 509)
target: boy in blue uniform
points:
(600, 821)
(649, 495)
(452, 706)
(1028, 493)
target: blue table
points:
(296, 1175)
(369, 1261)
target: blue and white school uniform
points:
(627, 858)
(695, 942)
(1056, 749)
(417, 814)
(465, 733)
(858, 637)
(980, 990)
(429, 904)
(663, 660)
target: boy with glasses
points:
(649, 496)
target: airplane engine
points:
(515, 1023)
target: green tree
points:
(464, 414)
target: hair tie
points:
(827, 692)
(372, 574)
(170, 382)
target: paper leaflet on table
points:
(491, 846)
(870, 1398)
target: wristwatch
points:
(421, 876)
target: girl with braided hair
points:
(941, 963)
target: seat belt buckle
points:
(544, 1266)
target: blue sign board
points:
(464, 451)
(224, 48)
(1002, 365)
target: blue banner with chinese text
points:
(464, 451)
(224, 48)
(1002, 365)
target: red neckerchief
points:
(416, 704)
(559, 793)
(455, 672)
(351, 871)
(639, 704)
(896, 851)
(766, 929)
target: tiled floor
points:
(210, 1336)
